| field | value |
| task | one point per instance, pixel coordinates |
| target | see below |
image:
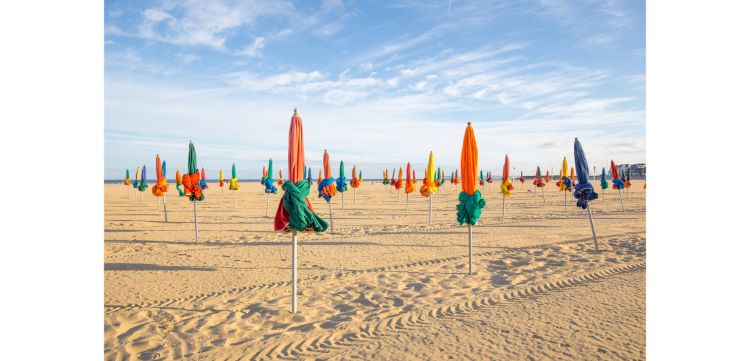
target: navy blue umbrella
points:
(584, 190)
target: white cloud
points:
(196, 22)
(253, 49)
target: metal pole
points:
(195, 217)
(407, 203)
(342, 201)
(330, 215)
(355, 196)
(593, 232)
(294, 271)
(503, 206)
(266, 204)
(621, 204)
(429, 221)
(166, 220)
(565, 197)
(158, 201)
(470, 234)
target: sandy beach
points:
(383, 286)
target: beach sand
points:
(383, 286)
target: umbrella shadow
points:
(151, 267)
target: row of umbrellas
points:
(295, 214)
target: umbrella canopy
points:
(309, 175)
(521, 179)
(538, 181)
(356, 179)
(428, 185)
(573, 176)
(584, 190)
(320, 176)
(233, 184)
(327, 188)
(137, 178)
(409, 186)
(400, 182)
(507, 185)
(603, 181)
(295, 211)
(142, 185)
(178, 183)
(191, 180)
(470, 202)
(126, 181)
(617, 183)
(268, 185)
(546, 177)
(341, 180)
(203, 182)
(221, 178)
(161, 182)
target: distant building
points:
(637, 171)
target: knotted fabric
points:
(506, 187)
(469, 207)
(295, 212)
(584, 193)
(191, 182)
(327, 189)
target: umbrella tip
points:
(295, 110)
(469, 123)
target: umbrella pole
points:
(266, 204)
(355, 196)
(158, 201)
(622, 206)
(342, 201)
(234, 199)
(429, 220)
(407, 203)
(166, 220)
(503, 206)
(565, 203)
(470, 234)
(330, 215)
(593, 232)
(544, 200)
(294, 271)
(195, 218)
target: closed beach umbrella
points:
(268, 181)
(178, 183)
(617, 183)
(470, 202)
(160, 188)
(295, 212)
(428, 185)
(327, 188)
(142, 186)
(137, 178)
(191, 182)
(584, 191)
(409, 186)
(341, 183)
(507, 185)
(126, 181)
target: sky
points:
(377, 83)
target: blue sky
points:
(377, 83)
